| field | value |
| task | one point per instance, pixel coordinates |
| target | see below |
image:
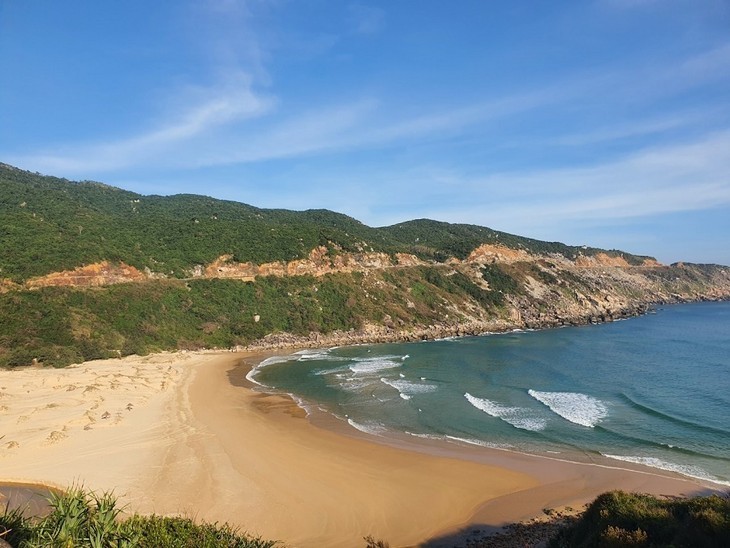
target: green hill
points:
(51, 224)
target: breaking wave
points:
(574, 407)
(407, 389)
(519, 417)
(686, 470)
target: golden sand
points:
(170, 434)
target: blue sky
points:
(603, 122)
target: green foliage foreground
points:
(628, 519)
(83, 519)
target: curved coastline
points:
(199, 441)
(561, 482)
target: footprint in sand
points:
(56, 436)
(12, 444)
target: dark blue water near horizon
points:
(651, 390)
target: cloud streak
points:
(201, 112)
(686, 177)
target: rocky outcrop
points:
(490, 253)
(600, 259)
(550, 294)
(97, 274)
(319, 262)
(7, 285)
(551, 290)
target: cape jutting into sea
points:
(651, 390)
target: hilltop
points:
(92, 271)
(53, 224)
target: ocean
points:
(652, 390)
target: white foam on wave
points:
(352, 383)
(480, 443)
(331, 370)
(302, 404)
(407, 389)
(251, 375)
(372, 365)
(574, 407)
(519, 417)
(307, 355)
(425, 436)
(686, 470)
(468, 441)
(301, 355)
(372, 428)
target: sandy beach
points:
(172, 434)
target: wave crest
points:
(519, 417)
(653, 462)
(577, 408)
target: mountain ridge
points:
(52, 225)
(90, 271)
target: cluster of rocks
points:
(375, 334)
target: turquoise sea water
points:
(652, 390)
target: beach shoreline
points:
(185, 435)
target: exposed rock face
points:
(489, 253)
(565, 294)
(7, 285)
(98, 274)
(319, 262)
(600, 259)
(550, 290)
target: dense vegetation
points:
(83, 519)
(51, 224)
(626, 519)
(58, 326)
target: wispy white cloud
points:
(317, 131)
(687, 177)
(364, 124)
(199, 112)
(634, 128)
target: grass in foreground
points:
(83, 519)
(627, 519)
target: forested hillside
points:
(90, 271)
(52, 224)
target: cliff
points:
(108, 309)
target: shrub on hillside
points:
(628, 519)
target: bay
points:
(652, 390)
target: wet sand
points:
(182, 433)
